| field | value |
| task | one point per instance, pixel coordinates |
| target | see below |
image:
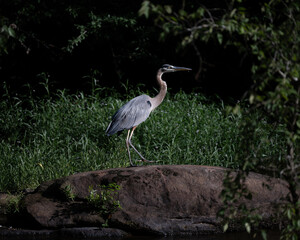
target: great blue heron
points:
(138, 109)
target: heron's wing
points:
(131, 114)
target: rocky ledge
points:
(63, 233)
(162, 200)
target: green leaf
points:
(145, 9)
(220, 38)
(264, 234)
(11, 32)
(298, 123)
(251, 98)
(289, 213)
(4, 28)
(236, 109)
(221, 212)
(168, 9)
(200, 11)
(232, 12)
(225, 227)
(248, 227)
(295, 74)
(182, 13)
(298, 224)
(284, 95)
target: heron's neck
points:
(157, 100)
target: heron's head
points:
(169, 68)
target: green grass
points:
(54, 137)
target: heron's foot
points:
(132, 165)
(145, 160)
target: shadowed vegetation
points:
(57, 136)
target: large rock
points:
(63, 233)
(170, 200)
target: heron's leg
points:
(143, 159)
(127, 145)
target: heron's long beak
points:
(182, 69)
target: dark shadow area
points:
(83, 45)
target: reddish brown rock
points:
(171, 200)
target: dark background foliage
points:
(235, 47)
(73, 42)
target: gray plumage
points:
(137, 110)
(131, 114)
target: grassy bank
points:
(54, 137)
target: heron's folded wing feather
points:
(131, 114)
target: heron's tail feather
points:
(112, 129)
(108, 131)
